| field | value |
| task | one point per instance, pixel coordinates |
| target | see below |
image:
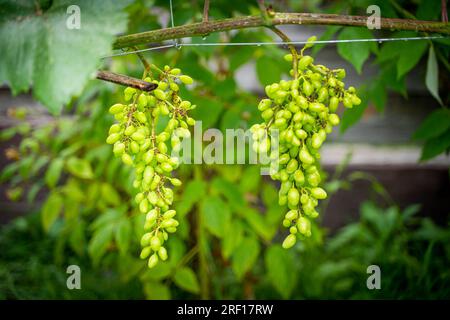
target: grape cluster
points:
(138, 143)
(303, 112)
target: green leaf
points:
(186, 279)
(230, 191)
(156, 291)
(109, 194)
(258, 223)
(328, 34)
(99, 242)
(77, 238)
(216, 215)
(268, 70)
(39, 50)
(123, 235)
(281, 270)
(244, 256)
(434, 125)
(51, 209)
(251, 179)
(80, 168)
(436, 146)
(232, 238)
(193, 193)
(355, 52)
(378, 94)
(409, 55)
(432, 76)
(208, 111)
(54, 172)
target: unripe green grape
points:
(316, 141)
(153, 261)
(155, 243)
(307, 88)
(186, 79)
(115, 128)
(145, 239)
(288, 57)
(145, 253)
(347, 101)
(126, 158)
(355, 100)
(318, 193)
(152, 215)
(291, 215)
(313, 179)
(137, 136)
(289, 241)
(304, 62)
(293, 196)
(162, 253)
(161, 95)
(282, 200)
(316, 106)
(334, 119)
(292, 166)
(304, 226)
(175, 71)
(113, 138)
(116, 108)
(305, 156)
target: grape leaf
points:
(51, 209)
(39, 50)
(245, 256)
(432, 77)
(435, 146)
(54, 172)
(268, 70)
(186, 279)
(123, 235)
(355, 52)
(80, 168)
(216, 215)
(281, 270)
(156, 291)
(435, 124)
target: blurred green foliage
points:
(227, 245)
(413, 255)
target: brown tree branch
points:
(202, 28)
(125, 80)
(206, 11)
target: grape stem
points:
(291, 47)
(125, 80)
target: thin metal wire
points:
(278, 43)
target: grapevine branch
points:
(125, 80)
(207, 27)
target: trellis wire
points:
(278, 43)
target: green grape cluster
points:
(303, 112)
(137, 142)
